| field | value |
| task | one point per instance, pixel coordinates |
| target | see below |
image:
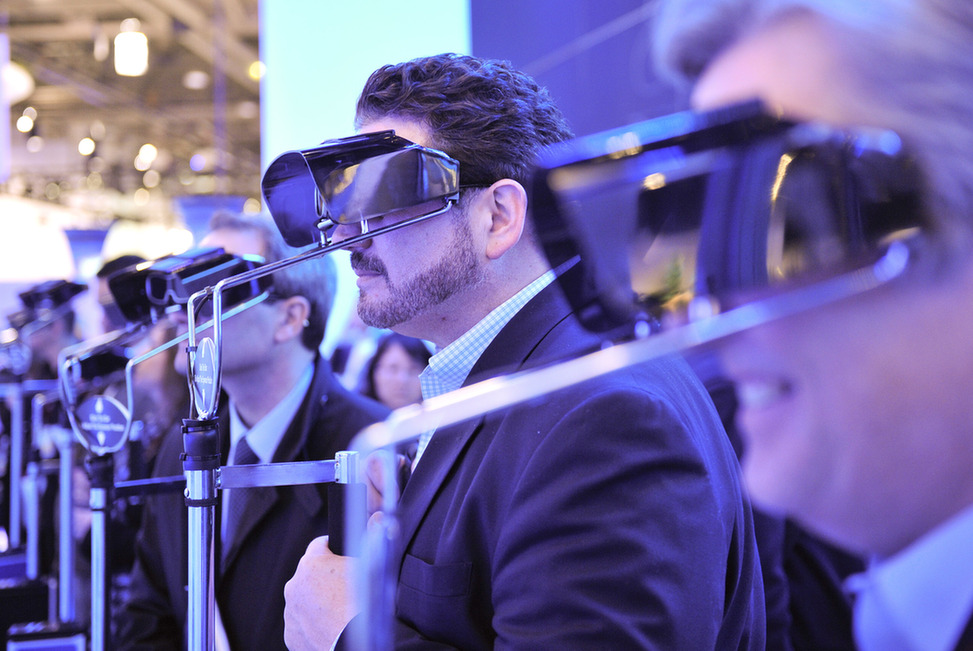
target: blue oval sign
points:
(102, 423)
(204, 377)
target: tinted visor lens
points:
(235, 295)
(163, 290)
(387, 183)
(731, 204)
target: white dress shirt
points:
(263, 438)
(921, 598)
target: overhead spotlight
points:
(257, 70)
(94, 181)
(247, 110)
(97, 164)
(197, 163)
(204, 160)
(101, 48)
(25, 123)
(131, 49)
(251, 206)
(86, 146)
(195, 80)
(148, 152)
(18, 85)
(151, 179)
(35, 144)
(147, 155)
(34, 140)
(98, 130)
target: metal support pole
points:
(202, 459)
(65, 581)
(346, 506)
(16, 460)
(101, 471)
(33, 517)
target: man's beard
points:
(455, 271)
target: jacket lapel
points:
(508, 352)
(965, 642)
(437, 460)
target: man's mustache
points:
(360, 263)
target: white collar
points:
(921, 598)
(266, 434)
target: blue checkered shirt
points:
(449, 367)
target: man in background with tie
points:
(282, 404)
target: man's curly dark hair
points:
(490, 117)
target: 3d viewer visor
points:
(352, 180)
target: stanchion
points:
(51, 626)
(101, 471)
(346, 506)
(202, 459)
(16, 460)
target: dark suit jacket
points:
(268, 545)
(965, 642)
(605, 516)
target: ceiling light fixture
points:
(131, 49)
(18, 85)
(195, 80)
(86, 146)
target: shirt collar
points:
(922, 597)
(266, 434)
(449, 367)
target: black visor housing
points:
(145, 291)
(351, 180)
(44, 302)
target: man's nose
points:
(343, 232)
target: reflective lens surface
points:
(730, 204)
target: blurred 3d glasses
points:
(146, 291)
(730, 205)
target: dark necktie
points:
(243, 456)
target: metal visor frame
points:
(144, 292)
(85, 368)
(351, 180)
(730, 205)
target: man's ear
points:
(294, 313)
(507, 202)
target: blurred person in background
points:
(46, 324)
(392, 374)
(282, 403)
(856, 415)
